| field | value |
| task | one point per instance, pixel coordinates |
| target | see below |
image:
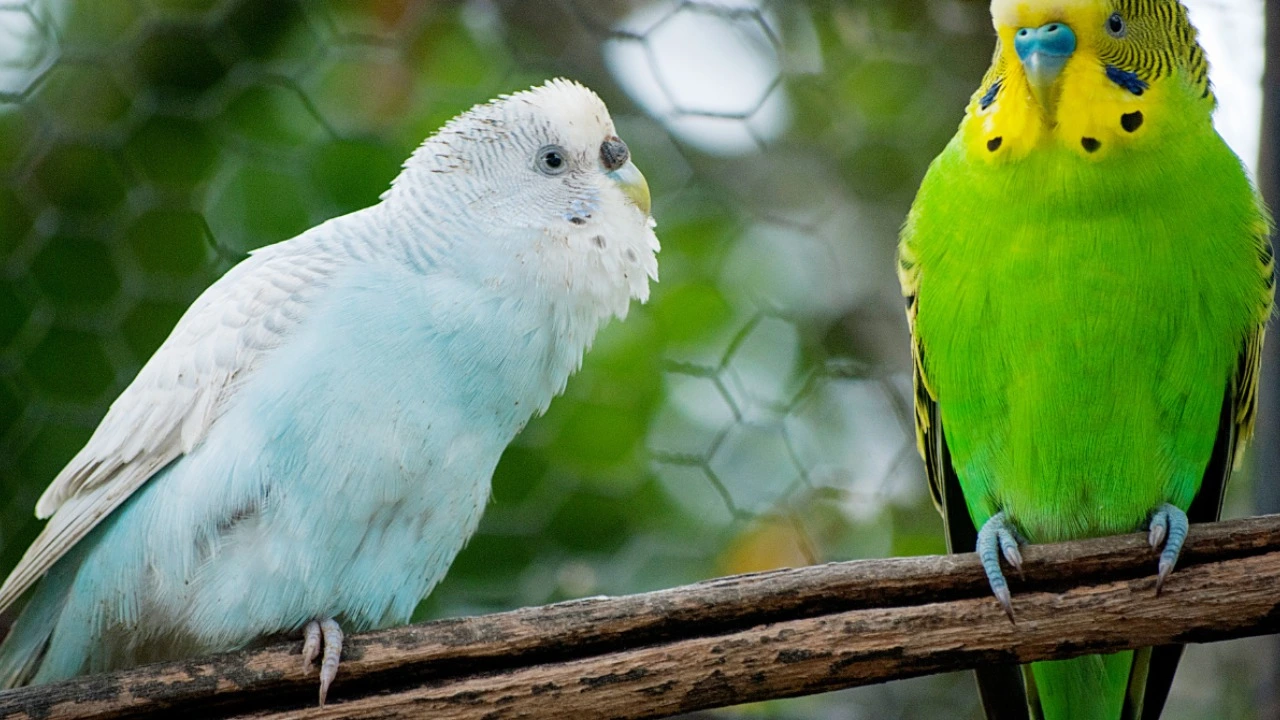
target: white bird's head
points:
(543, 179)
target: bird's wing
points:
(180, 392)
(1245, 383)
(1235, 427)
(1000, 686)
(944, 486)
(1240, 406)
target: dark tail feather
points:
(1003, 697)
(1164, 663)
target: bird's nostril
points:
(614, 153)
(1051, 28)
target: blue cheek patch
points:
(1127, 80)
(990, 96)
(581, 208)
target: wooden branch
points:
(727, 641)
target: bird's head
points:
(1093, 75)
(543, 178)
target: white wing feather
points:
(180, 392)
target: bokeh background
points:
(754, 414)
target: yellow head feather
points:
(1135, 68)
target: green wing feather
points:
(1000, 687)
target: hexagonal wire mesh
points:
(754, 415)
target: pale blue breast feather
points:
(345, 476)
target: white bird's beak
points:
(633, 185)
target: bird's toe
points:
(1169, 525)
(332, 654)
(310, 645)
(322, 639)
(998, 538)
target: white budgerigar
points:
(314, 442)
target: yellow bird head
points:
(1092, 75)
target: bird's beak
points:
(633, 185)
(1044, 51)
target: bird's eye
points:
(551, 160)
(1115, 26)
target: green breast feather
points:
(1088, 278)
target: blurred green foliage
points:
(754, 414)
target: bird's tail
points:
(1105, 687)
(24, 647)
(23, 651)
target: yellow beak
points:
(633, 185)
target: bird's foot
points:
(328, 634)
(998, 537)
(1169, 527)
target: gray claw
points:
(326, 634)
(310, 645)
(332, 654)
(1169, 525)
(998, 538)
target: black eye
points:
(1116, 26)
(551, 160)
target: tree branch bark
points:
(729, 640)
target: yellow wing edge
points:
(1246, 380)
(924, 397)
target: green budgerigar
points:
(1088, 275)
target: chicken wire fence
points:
(754, 414)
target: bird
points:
(314, 442)
(1088, 277)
